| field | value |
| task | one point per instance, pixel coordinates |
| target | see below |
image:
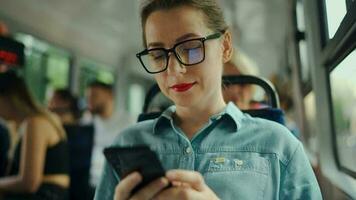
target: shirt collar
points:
(230, 114)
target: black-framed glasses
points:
(188, 52)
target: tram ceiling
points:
(109, 30)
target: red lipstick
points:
(182, 87)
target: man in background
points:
(107, 123)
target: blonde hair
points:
(213, 13)
(14, 88)
(243, 63)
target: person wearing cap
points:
(3, 32)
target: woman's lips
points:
(182, 87)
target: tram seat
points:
(272, 112)
(80, 144)
(4, 148)
(272, 109)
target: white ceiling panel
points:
(108, 31)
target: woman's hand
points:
(126, 185)
(186, 185)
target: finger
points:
(176, 183)
(180, 184)
(192, 178)
(149, 191)
(173, 193)
(124, 188)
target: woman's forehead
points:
(174, 23)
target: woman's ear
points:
(227, 46)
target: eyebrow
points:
(181, 38)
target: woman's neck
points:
(191, 119)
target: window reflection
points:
(336, 10)
(343, 91)
(136, 98)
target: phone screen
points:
(142, 159)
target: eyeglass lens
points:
(188, 53)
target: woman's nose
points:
(174, 66)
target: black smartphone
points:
(142, 159)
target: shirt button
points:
(239, 162)
(188, 150)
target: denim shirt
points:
(240, 157)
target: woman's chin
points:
(183, 102)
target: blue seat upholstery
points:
(272, 111)
(80, 143)
(273, 114)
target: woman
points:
(65, 105)
(40, 166)
(4, 147)
(211, 150)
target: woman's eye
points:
(191, 48)
(157, 56)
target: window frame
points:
(318, 45)
(333, 52)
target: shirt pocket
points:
(169, 159)
(237, 175)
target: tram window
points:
(300, 15)
(136, 99)
(46, 66)
(310, 135)
(58, 71)
(34, 76)
(34, 68)
(305, 67)
(335, 10)
(343, 92)
(303, 51)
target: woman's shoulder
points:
(37, 120)
(44, 123)
(43, 119)
(267, 127)
(272, 137)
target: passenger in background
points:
(211, 149)
(65, 105)
(107, 120)
(4, 147)
(3, 32)
(241, 95)
(39, 169)
(284, 90)
(80, 138)
(5, 136)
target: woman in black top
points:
(4, 147)
(40, 165)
